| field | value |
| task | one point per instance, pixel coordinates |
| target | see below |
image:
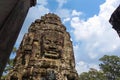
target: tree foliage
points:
(93, 74)
(9, 65)
(110, 70)
(111, 66)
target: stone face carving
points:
(45, 53)
(52, 45)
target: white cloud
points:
(92, 55)
(42, 2)
(42, 10)
(82, 66)
(61, 2)
(107, 8)
(75, 13)
(76, 50)
(96, 32)
(66, 20)
(67, 14)
(63, 13)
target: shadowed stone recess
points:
(45, 53)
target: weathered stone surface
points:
(12, 15)
(46, 52)
(115, 20)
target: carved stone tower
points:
(46, 52)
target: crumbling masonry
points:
(46, 52)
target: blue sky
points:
(87, 22)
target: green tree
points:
(111, 67)
(93, 74)
(14, 50)
(9, 65)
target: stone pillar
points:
(12, 15)
(46, 52)
(115, 20)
